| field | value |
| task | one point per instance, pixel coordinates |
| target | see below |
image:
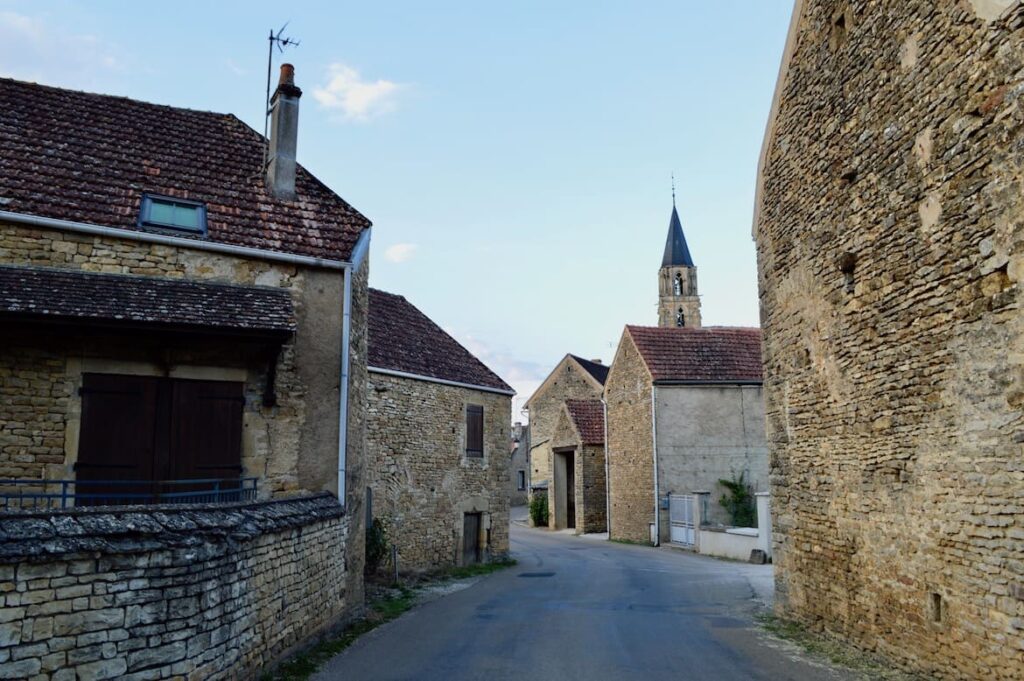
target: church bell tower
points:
(678, 302)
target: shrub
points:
(738, 501)
(376, 545)
(539, 509)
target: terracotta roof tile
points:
(588, 417)
(88, 158)
(402, 338)
(43, 294)
(713, 353)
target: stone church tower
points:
(678, 302)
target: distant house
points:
(578, 491)
(182, 319)
(519, 464)
(684, 410)
(572, 378)
(438, 428)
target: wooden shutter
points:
(474, 430)
(206, 430)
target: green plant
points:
(539, 509)
(376, 546)
(738, 501)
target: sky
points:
(514, 158)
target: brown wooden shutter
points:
(474, 430)
(206, 430)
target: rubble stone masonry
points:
(890, 234)
(421, 478)
(588, 475)
(630, 446)
(215, 592)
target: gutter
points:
(442, 381)
(359, 252)
(654, 447)
(607, 478)
(177, 241)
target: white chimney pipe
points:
(284, 134)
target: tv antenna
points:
(281, 42)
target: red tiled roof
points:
(88, 158)
(43, 294)
(713, 353)
(402, 338)
(588, 417)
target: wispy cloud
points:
(399, 252)
(34, 48)
(234, 68)
(356, 99)
(524, 376)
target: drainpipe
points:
(358, 253)
(607, 479)
(654, 447)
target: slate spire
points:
(677, 254)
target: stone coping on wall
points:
(39, 535)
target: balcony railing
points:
(29, 494)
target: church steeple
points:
(678, 302)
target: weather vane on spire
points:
(673, 189)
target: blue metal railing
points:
(22, 494)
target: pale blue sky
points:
(513, 157)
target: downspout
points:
(358, 253)
(654, 447)
(607, 478)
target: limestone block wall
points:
(40, 374)
(589, 478)
(421, 480)
(706, 434)
(566, 382)
(891, 255)
(630, 453)
(170, 592)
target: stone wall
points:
(519, 461)
(706, 434)
(170, 592)
(891, 254)
(567, 381)
(40, 373)
(421, 479)
(589, 478)
(630, 454)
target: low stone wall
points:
(199, 592)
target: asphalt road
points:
(580, 608)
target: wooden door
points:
(570, 490)
(118, 436)
(471, 538)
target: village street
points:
(582, 608)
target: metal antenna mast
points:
(281, 42)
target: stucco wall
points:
(291, 446)
(630, 439)
(421, 479)
(708, 433)
(891, 254)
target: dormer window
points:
(164, 212)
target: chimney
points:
(284, 133)
(596, 361)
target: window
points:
(677, 285)
(680, 318)
(167, 213)
(474, 431)
(521, 480)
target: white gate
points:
(680, 514)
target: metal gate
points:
(680, 513)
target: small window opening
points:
(474, 431)
(677, 285)
(839, 29)
(521, 480)
(935, 606)
(680, 318)
(847, 265)
(172, 213)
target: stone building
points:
(678, 301)
(177, 325)
(579, 493)
(891, 255)
(519, 465)
(684, 410)
(572, 378)
(438, 441)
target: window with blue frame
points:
(165, 212)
